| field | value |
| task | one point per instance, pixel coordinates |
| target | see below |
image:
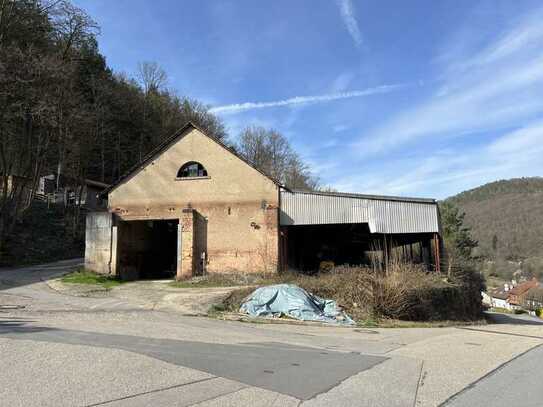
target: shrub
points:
(463, 298)
(402, 291)
(539, 312)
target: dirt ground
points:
(152, 295)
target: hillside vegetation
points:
(506, 218)
(64, 111)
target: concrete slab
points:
(455, 361)
(516, 382)
(180, 396)
(253, 397)
(51, 374)
(293, 370)
(393, 383)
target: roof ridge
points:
(367, 196)
(167, 143)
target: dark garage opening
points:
(309, 245)
(306, 246)
(148, 249)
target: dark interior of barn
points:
(306, 247)
(149, 250)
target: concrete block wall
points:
(100, 243)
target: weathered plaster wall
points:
(99, 243)
(240, 204)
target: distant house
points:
(511, 296)
(86, 194)
(497, 299)
(518, 293)
(533, 298)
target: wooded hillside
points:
(506, 217)
(64, 112)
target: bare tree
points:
(6, 17)
(62, 107)
(151, 77)
(73, 26)
(270, 151)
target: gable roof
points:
(522, 288)
(166, 144)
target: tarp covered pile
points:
(294, 302)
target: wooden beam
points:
(437, 254)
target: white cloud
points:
(516, 153)
(302, 100)
(525, 34)
(342, 82)
(347, 12)
(499, 86)
(526, 140)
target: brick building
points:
(193, 206)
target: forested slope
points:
(506, 217)
(63, 111)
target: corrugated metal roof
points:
(383, 214)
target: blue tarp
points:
(295, 302)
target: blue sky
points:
(414, 98)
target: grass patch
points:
(367, 323)
(396, 323)
(226, 280)
(501, 310)
(83, 276)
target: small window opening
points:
(192, 169)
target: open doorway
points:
(309, 245)
(148, 249)
(306, 247)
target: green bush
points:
(539, 312)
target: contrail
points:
(300, 100)
(347, 14)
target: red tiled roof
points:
(522, 288)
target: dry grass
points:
(371, 294)
(368, 293)
(227, 280)
(401, 291)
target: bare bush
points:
(398, 291)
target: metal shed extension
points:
(383, 214)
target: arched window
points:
(192, 169)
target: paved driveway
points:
(59, 350)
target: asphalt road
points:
(63, 350)
(273, 366)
